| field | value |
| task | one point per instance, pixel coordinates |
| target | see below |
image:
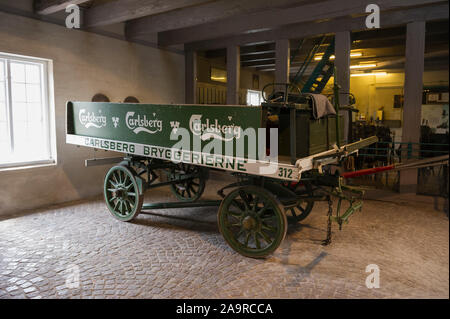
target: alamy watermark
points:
(373, 279)
(72, 273)
(373, 19)
(73, 19)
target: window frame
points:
(47, 103)
(254, 92)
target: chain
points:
(327, 241)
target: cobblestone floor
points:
(181, 254)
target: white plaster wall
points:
(83, 65)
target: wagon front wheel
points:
(122, 193)
(252, 221)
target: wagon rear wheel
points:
(302, 210)
(252, 221)
(121, 191)
(188, 190)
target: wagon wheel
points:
(188, 190)
(252, 221)
(122, 194)
(302, 210)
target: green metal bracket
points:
(344, 218)
(357, 190)
(140, 183)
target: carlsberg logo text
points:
(90, 119)
(210, 129)
(140, 123)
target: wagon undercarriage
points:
(253, 212)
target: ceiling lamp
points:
(369, 74)
(363, 66)
(318, 57)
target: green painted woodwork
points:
(252, 221)
(313, 136)
(152, 124)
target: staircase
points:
(321, 73)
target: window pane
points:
(2, 91)
(30, 134)
(33, 73)
(19, 112)
(2, 70)
(34, 111)
(17, 72)
(3, 112)
(3, 132)
(18, 92)
(33, 92)
(4, 143)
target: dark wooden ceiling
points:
(210, 26)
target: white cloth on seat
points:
(321, 106)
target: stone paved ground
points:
(180, 254)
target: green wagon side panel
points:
(313, 136)
(153, 123)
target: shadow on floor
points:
(163, 219)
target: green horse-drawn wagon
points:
(184, 142)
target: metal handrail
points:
(286, 86)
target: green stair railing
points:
(321, 73)
(298, 76)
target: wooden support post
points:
(414, 65)
(190, 59)
(282, 61)
(233, 74)
(342, 46)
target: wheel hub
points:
(120, 193)
(249, 222)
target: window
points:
(254, 98)
(25, 126)
(218, 75)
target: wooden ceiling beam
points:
(257, 57)
(390, 19)
(270, 19)
(258, 49)
(206, 13)
(45, 7)
(124, 10)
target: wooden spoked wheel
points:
(252, 221)
(302, 210)
(191, 189)
(121, 192)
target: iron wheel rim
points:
(121, 192)
(252, 221)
